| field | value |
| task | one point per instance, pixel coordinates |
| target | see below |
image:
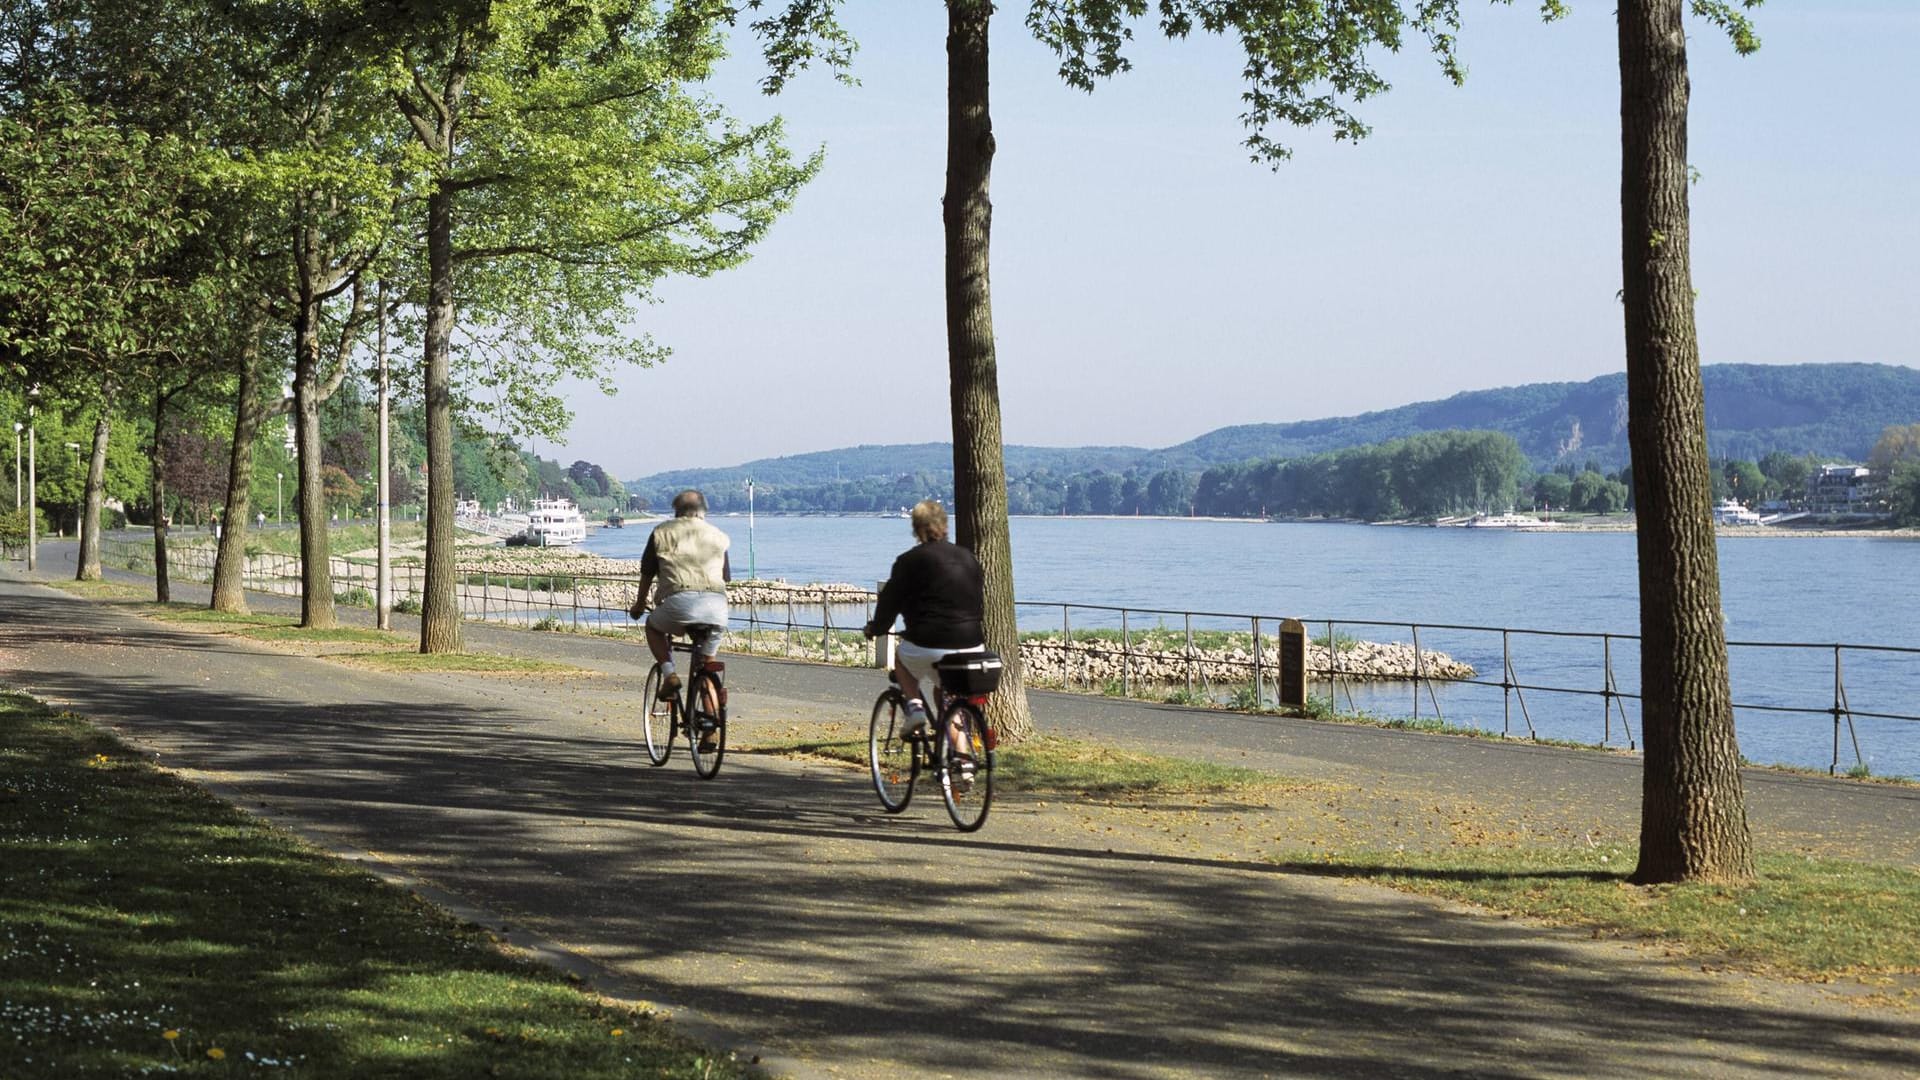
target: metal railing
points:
(1517, 682)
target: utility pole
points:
(384, 600)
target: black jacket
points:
(939, 589)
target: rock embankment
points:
(1153, 659)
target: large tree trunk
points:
(439, 606)
(157, 488)
(316, 574)
(979, 473)
(229, 566)
(1693, 822)
(95, 498)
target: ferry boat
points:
(1729, 512)
(1510, 520)
(555, 523)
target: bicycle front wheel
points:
(890, 758)
(706, 725)
(660, 718)
(966, 766)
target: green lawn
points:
(1802, 917)
(464, 662)
(144, 925)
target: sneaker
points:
(708, 744)
(669, 687)
(916, 725)
(961, 777)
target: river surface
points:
(1824, 590)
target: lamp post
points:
(753, 572)
(278, 517)
(383, 604)
(33, 481)
(18, 495)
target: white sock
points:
(666, 668)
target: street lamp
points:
(33, 481)
(18, 427)
(278, 517)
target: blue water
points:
(1853, 590)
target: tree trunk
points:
(157, 488)
(316, 574)
(1693, 822)
(439, 606)
(95, 498)
(229, 566)
(979, 473)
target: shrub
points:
(407, 605)
(355, 597)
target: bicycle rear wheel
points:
(706, 725)
(890, 758)
(660, 720)
(966, 774)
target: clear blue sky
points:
(1150, 284)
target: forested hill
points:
(1752, 409)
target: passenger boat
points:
(1729, 512)
(1511, 521)
(555, 523)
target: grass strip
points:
(1051, 764)
(104, 590)
(148, 927)
(1801, 918)
(464, 662)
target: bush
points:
(407, 605)
(354, 598)
(548, 623)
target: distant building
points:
(1845, 489)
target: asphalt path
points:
(780, 910)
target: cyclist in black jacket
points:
(938, 588)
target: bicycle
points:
(700, 710)
(958, 748)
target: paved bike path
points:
(775, 903)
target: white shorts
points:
(681, 610)
(918, 660)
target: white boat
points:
(1510, 521)
(555, 523)
(1729, 512)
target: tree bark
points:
(310, 498)
(439, 607)
(979, 472)
(157, 489)
(95, 497)
(1693, 823)
(229, 566)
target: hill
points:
(1752, 409)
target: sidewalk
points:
(1070, 939)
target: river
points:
(1855, 590)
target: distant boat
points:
(615, 521)
(555, 523)
(1510, 521)
(1729, 512)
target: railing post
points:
(1416, 674)
(1259, 676)
(826, 630)
(1126, 657)
(1834, 768)
(1333, 680)
(789, 651)
(1506, 685)
(1189, 663)
(1292, 684)
(883, 641)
